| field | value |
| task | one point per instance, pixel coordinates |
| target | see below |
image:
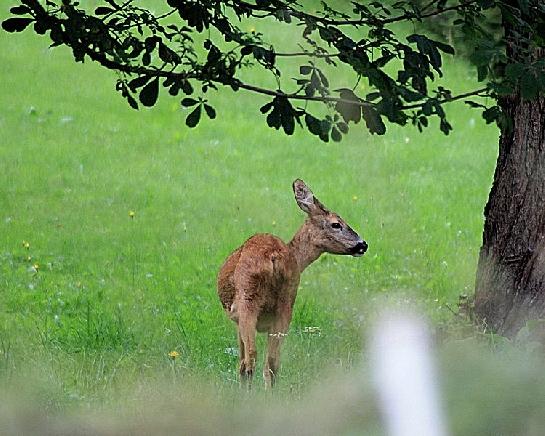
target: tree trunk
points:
(510, 285)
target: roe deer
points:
(257, 284)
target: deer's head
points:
(327, 230)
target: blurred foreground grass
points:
(485, 392)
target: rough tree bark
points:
(510, 286)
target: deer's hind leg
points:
(247, 333)
(272, 359)
(253, 284)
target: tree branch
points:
(295, 96)
(130, 69)
(369, 21)
(309, 54)
(449, 99)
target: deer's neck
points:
(303, 247)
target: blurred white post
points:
(405, 377)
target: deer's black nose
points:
(360, 248)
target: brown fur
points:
(258, 282)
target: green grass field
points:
(98, 299)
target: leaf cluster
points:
(193, 47)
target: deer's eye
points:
(336, 225)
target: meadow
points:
(114, 223)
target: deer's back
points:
(263, 270)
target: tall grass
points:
(98, 299)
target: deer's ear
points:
(306, 199)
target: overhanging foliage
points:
(153, 50)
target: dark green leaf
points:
(132, 102)
(438, 108)
(287, 114)
(313, 124)
(343, 127)
(325, 126)
(315, 80)
(146, 58)
(16, 24)
(309, 90)
(445, 126)
(266, 107)
(150, 92)
(193, 118)
(274, 119)
(427, 47)
(427, 108)
(288, 123)
(372, 96)
(246, 50)
(186, 87)
(56, 36)
(169, 81)
(373, 120)
(210, 111)
(40, 27)
(323, 78)
(166, 54)
(174, 89)
(187, 102)
(482, 72)
(266, 57)
(222, 24)
(336, 135)
(491, 114)
(409, 95)
(20, 10)
(445, 47)
(103, 10)
(485, 52)
(151, 42)
(349, 111)
(324, 137)
(305, 70)
(138, 82)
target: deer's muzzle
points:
(359, 249)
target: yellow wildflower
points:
(26, 245)
(173, 354)
(131, 214)
(355, 198)
(36, 267)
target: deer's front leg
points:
(242, 360)
(277, 333)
